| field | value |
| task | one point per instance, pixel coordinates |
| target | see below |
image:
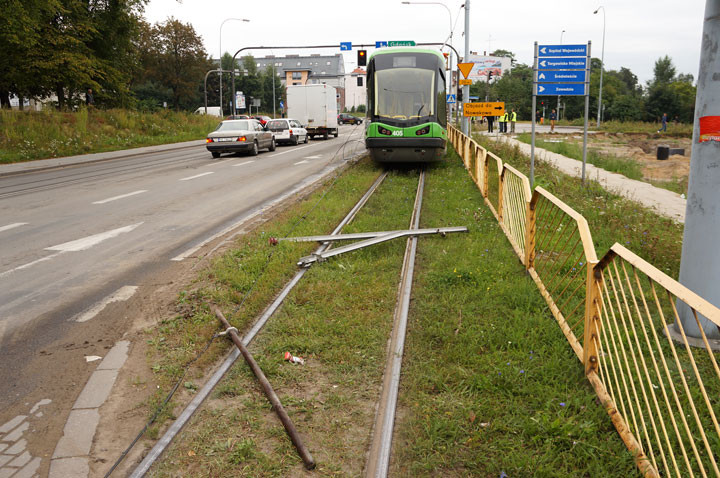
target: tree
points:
(176, 59)
(506, 54)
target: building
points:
(355, 88)
(308, 70)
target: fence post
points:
(501, 172)
(592, 317)
(486, 171)
(530, 230)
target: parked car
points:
(287, 130)
(233, 136)
(262, 119)
(344, 118)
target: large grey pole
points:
(466, 88)
(700, 261)
(602, 65)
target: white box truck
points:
(315, 106)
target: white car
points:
(287, 130)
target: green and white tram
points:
(406, 105)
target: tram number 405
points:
(397, 133)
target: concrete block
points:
(30, 469)
(5, 458)
(21, 460)
(78, 434)
(16, 434)
(7, 472)
(18, 447)
(115, 359)
(96, 389)
(3, 446)
(69, 468)
(12, 423)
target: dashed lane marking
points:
(90, 241)
(122, 196)
(293, 150)
(197, 176)
(313, 157)
(12, 226)
(120, 295)
(243, 164)
(304, 161)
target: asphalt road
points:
(78, 237)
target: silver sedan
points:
(234, 136)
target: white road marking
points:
(243, 164)
(90, 241)
(30, 264)
(293, 150)
(123, 196)
(120, 295)
(313, 157)
(12, 226)
(196, 176)
(304, 161)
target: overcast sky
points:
(638, 32)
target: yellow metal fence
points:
(618, 314)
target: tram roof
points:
(405, 49)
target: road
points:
(77, 238)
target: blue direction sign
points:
(345, 46)
(562, 50)
(380, 44)
(561, 76)
(450, 98)
(552, 89)
(562, 64)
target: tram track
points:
(379, 454)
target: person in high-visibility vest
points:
(502, 120)
(513, 119)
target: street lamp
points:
(221, 53)
(602, 64)
(450, 36)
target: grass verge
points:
(29, 135)
(612, 218)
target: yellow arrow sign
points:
(496, 108)
(465, 68)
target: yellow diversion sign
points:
(496, 108)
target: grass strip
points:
(29, 135)
(612, 218)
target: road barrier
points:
(663, 398)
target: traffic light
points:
(362, 57)
(489, 76)
(447, 60)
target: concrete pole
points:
(466, 88)
(700, 261)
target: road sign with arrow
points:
(496, 108)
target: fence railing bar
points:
(572, 295)
(559, 267)
(552, 229)
(640, 374)
(659, 378)
(708, 349)
(566, 234)
(702, 389)
(557, 282)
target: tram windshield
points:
(404, 93)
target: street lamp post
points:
(602, 65)
(449, 87)
(220, 58)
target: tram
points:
(406, 106)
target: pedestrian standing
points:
(513, 119)
(503, 121)
(490, 121)
(663, 128)
(553, 117)
(89, 99)
(537, 116)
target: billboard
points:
(498, 65)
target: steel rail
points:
(381, 446)
(233, 355)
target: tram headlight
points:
(384, 131)
(422, 131)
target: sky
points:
(637, 32)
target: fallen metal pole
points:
(308, 260)
(269, 392)
(368, 235)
